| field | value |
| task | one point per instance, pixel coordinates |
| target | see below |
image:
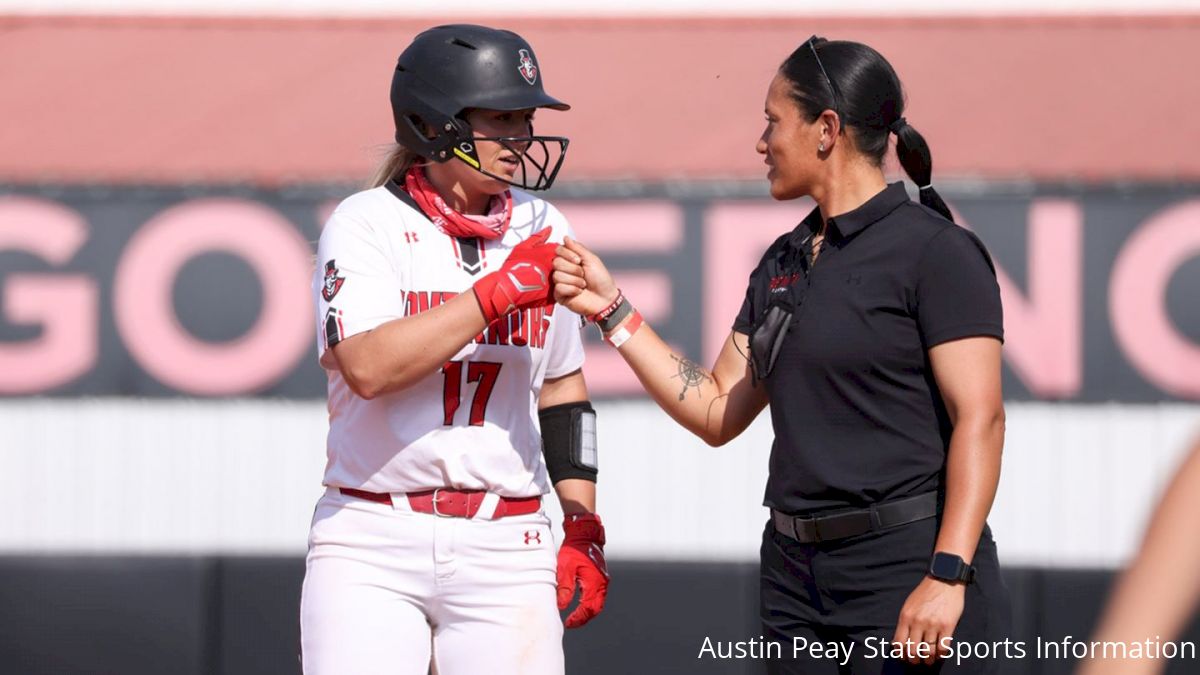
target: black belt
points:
(812, 529)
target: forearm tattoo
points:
(692, 376)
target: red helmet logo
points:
(528, 70)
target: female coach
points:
(873, 329)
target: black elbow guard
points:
(569, 441)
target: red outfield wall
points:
(271, 101)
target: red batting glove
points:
(522, 281)
(581, 558)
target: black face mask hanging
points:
(768, 335)
(768, 338)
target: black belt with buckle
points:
(812, 529)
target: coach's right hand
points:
(581, 282)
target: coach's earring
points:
(821, 148)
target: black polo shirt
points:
(857, 415)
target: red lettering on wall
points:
(647, 226)
(1043, 329)
(644, 226)
(146, 318)
(64, 306)
(1137, 296)
(737, 235)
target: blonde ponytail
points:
(395, 164)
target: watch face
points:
(945, 566)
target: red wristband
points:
(607, 311)
(620, 335)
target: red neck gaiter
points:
(453, 223)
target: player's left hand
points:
(581, 558)
(930, 614)
(523, 280)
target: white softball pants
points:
(392, 591)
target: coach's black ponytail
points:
(857, 83)
(913, 153)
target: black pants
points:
(850, 591)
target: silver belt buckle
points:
(437, 513)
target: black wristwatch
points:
(951, 568)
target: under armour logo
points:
(853, 279)
(533, 536)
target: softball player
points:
(451, 373)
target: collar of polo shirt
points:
(852, 222)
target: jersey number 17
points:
(483, 372)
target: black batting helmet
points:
(450, 69)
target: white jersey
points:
(471, 424)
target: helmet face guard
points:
(450, 69)
(540, 160)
